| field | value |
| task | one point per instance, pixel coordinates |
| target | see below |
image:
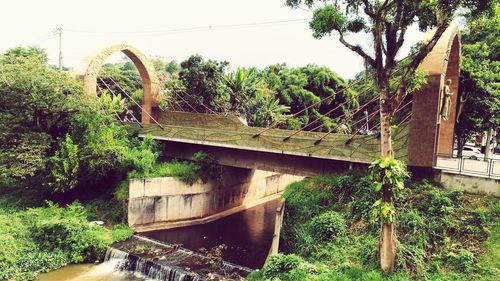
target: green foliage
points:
(327, 19)
(111, 103)
(204, 83)
(67, 230)
(121, 193)
(185, 171)
(28, 265)
(121, 232)
(463, 261)
(387, 170)
(263, 97)
(388, 175)
(435, 237)
(480, 75)
(36, 102)
(285, 267)
(65, 164)
(328, 226)
(43, 239)
(208, 168)
(51, 133)
(19, 55)
(203, 166)
(103, 144)
(143, 157)
(302, 87)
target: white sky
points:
(30, 22)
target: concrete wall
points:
(471, 184)
(158, 203)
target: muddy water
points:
(88, 272)
(247, 235)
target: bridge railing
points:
(467, 165)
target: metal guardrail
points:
(484, 167)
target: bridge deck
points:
(228, 131)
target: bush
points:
(279, 264)
(67, 230)
(208, 168)
(121, 232)
(143, 157)
(328, 226)
(44, 239)
(463, 261)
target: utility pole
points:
(59, 31)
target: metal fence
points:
(484, 167)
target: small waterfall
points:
(123, 262)
(148, 259)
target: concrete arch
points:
(430, 134)
(90, 67)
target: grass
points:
(184, 171)
(442, 234)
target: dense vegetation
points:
(329, 233)
(479, 77)
(58, 144)
(39, 236)
(203, 167)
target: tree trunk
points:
(487, 149)
(460, 146)
(387, 247)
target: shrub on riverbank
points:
(442, 234)
(204, 167)
(43, 239)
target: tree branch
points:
(369, 9)
(357, 49)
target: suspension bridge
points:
(420, 135)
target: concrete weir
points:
(164, 203)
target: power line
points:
(192, 29)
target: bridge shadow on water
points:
(247, 235)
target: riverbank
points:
(329, 234)
(40, 236)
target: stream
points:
(242, 239)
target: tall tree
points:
(203, 84)
(51, 132)
(387, 22)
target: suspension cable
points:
(102, 107)
(399, 109)
(366, 78)
(378, 124)
(330, 111)
(112, 92)
(143, 110)
(185, 102)
(310, 106)
(345, 120)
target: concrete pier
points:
(163, 203)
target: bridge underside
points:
(233, 144)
